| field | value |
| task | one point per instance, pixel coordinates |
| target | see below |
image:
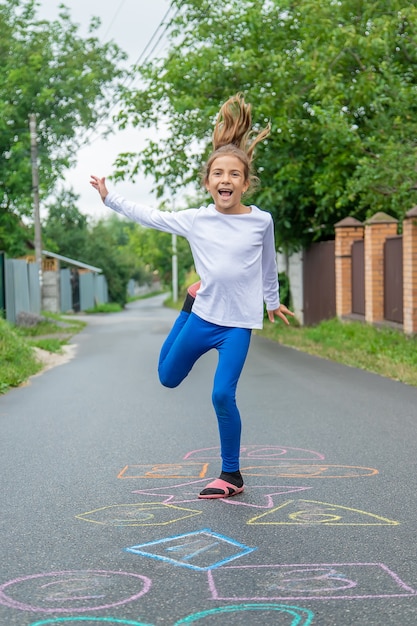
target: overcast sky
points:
(131, 24)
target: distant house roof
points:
(72, 261)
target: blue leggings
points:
(190, 338)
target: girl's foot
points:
(229, 484)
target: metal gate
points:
(319, 283)
(393, 279)
(358, 277)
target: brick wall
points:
(375, 231)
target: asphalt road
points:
(101, 466)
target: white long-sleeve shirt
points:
(234, 255)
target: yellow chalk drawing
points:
(144, 514)
(311, 470)
(165, 470)
(310, 512)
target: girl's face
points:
(226, 183)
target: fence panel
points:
(393, 279)
(65, 290)
(86, 291)
(319, 283)
(358, 277)
(100, 289)
(35, 292)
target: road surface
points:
(101, 466)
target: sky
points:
(131, 24)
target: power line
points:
(140, 60)
(114, 18)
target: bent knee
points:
(167, 380)
(222, 398)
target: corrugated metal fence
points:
(20, 289)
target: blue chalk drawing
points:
(198, 550)
(301, 617)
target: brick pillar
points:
(377, 229)
(410, 271)
(347, 231)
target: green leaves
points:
(337, 80)
(67, 81)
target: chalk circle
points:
(74, 591)
(299, 616)
(88, 620)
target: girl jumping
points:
(234, 255)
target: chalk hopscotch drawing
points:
(88, 620)
(200, 550)
(164, 470)
(73, 591)
(232, 615)
(298, 616)
(256, 451)
(300, 470)
(261, 497)
(145, 514)
(307, 512)
(322, 581)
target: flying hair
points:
(233, 134)
(234, 126)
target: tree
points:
(65, 231)
(46, 68)
(336, 79)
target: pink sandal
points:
(219, 488)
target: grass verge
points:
(381, 350)
(17, 357)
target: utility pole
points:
(174, 265)
(35, 189)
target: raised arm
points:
(100, 185)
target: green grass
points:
(380, 350)
(105, 307)
(17, 359)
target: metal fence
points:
(21, 291)
(22, 288)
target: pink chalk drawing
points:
(268, 453)
(73, 591)
(88, 621)
(258, 497)
(322, 581)
(310, 470)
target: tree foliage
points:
(337, 80)
(68, 82)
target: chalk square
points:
(198, 550)
(317, 581)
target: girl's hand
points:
(100, 185)
(281, 312)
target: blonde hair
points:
(233, 134)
